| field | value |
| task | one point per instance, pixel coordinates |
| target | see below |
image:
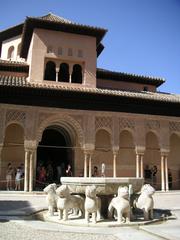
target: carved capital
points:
(30, 145)
(164, 151)
(140, 150)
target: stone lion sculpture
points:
(67, 202)
(51, 198)
(121, 205)
(92, 204)
(146, 202)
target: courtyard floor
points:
(16, 221)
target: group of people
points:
(16, 174)
(96, 171)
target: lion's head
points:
(63, 191)
(51, 188)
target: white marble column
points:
(141, 166)
(31, 154)
(114, 164)
(137, 165)
(57, 73)
(26, 171)
(85, 164)
(166, 173)
(162, 173)
(90, 165)
(70, 72)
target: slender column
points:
(142, 166)
(162, 174)
(85, 164)
(114, 164)
(70, 72)
(90, 165)
(57, 72)
(137, 165)
(166, 173)
(26, 173)
(31, 172)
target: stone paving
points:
(15, 209)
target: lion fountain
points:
(51, 198)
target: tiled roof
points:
(126, 77)
(152, 96)
(12, 63)
(54, 18)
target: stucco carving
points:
(121, 205)
(15, 116)
(51, 198)
(174, 126)
(2, 124)
(104, 123)
(67, 202)
(66, 122)
(152, 125)
(146, 202)
(126, 123)
(92, 204)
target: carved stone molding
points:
(152, 125)
(78, 118)
(15, 116)
(174, 126)
(103, 123)
(65, 121)
(126, 123)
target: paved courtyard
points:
(16, 221)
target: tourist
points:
(42, 174)
(68, 171)
(147, 174)
(49, 173)
(18, 179)
(9, 177)
(154, 172)
(95, 172)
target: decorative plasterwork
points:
(174, 126)
(103, 123)
(65, 121)
(15, 116)
(78, 118)
(126, 123)
(152, 125)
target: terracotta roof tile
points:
(54, 18)
(155, 96)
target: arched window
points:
(63, 75)
(18, 50)
(77, 74)
(50, 71)
(10, 52)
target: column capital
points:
(140, 150)
(164, 151)
(30, 145)
(115, 150)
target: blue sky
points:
(143, 35)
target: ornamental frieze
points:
(126, 123)
(152, 124)
(15, 115)
(174, 126)
(103, 122)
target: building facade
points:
(58, 108)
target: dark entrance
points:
(54, 153)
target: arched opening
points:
(63, 75)
(174, 163)
(50, 71)
(126, 156)
(10, 54)
(13, 152)
(103, 153)
(54, 153)
(152, 160)
(77, 74)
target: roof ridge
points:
(54, 18)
